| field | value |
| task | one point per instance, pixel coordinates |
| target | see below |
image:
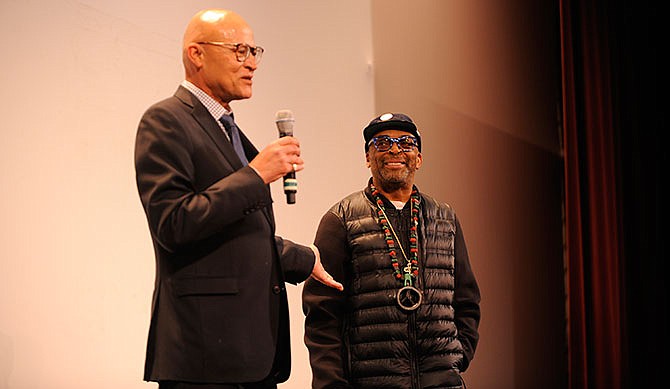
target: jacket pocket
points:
(200, 286)
(442, 379)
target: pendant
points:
(409, 298)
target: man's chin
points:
(395, 177)
(391, 185)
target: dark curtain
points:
(616, 294)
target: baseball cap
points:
(391, 121)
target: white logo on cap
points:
(386, 116)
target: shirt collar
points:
(214, 107)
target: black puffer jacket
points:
(381, 345)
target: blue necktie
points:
(234, 135)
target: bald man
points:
(219, 315)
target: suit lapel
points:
(209, 125)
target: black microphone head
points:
(285, 120)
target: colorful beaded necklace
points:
(411, 270)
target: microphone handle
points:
(290, 187)
(290, 182)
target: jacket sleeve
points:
(466, 299)
(324, 308)
(297, 261)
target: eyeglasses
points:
(242, 50)
(383, 143)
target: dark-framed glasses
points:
(383, 143)
(242, 50)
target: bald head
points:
(212, 66)
(213, 25)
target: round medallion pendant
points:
(409, 298)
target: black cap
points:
(391, 121)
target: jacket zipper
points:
(413, 360)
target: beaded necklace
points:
(411, 271)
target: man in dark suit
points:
(219, 310)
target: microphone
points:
(284, 119)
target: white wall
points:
(76, 263)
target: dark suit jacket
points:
(219, 306)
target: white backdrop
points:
(76, 262)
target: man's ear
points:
(194, 54)
(419, 160)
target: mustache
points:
(404, 159)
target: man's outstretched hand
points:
(320, 274)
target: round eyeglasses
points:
(406, 143)
(242, 50)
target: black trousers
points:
(189, 385)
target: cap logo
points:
(386, 117)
